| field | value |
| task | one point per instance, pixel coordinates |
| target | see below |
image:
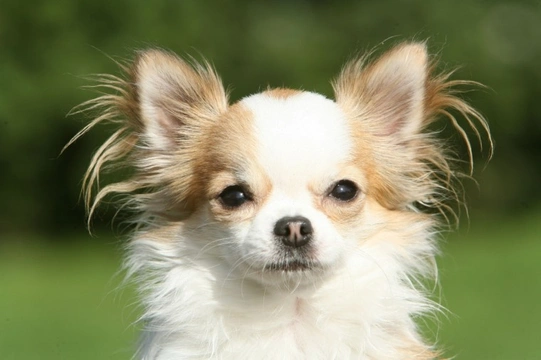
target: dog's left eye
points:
(234, 196)
(344, 190)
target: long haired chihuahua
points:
(286, 225)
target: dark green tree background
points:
(47, 47)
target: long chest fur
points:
(196, 311)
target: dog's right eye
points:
(234, 196)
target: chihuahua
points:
(286, 225)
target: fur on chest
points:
(198, 310)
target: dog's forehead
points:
(300, 136)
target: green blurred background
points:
(58, 291)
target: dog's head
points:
(284, 183)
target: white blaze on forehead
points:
(302, 138)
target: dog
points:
(286, 225)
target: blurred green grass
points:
(60, 301)
(491, 281)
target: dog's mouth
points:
(291, 266)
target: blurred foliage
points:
(47, 47)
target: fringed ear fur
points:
(161, 109)
(390, 91)
(174, 96)
(391, 101)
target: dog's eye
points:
(344, 190)
(234, 196)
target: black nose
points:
(294, 231)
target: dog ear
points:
(161, 109)
(390, 102)
(388, 94)
(175, 98)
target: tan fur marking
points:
(281, 93)
(342, 214)
(230, 159)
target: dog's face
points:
(285, 192)
(283, 184)
(278, 182)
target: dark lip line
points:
(291, 266)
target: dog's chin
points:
(291, 274)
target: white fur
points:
(196, 308)
(205, 297)
(301, 138)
